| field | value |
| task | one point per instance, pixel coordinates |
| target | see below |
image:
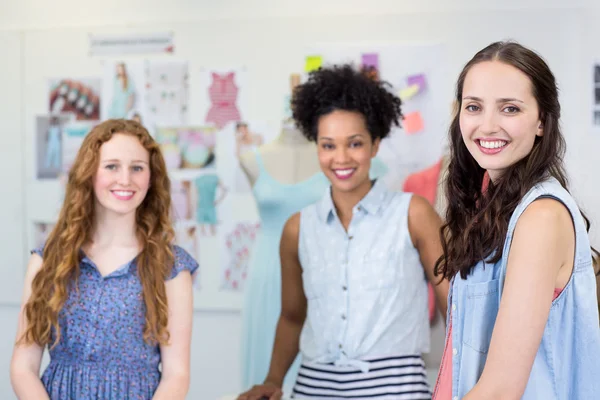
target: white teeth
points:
(122, 193)
(492, 144)
(344, 172)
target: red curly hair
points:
(62, 252)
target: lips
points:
(123, 194)
(345, 173)
(494, 146)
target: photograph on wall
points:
(80, 97)
(49, 145)
(167, 93)
(188, 147)
(123, 91)
(237, 241)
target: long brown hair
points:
(476, 223)
(62, 251)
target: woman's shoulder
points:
(182, 261)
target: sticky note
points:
(409, 92)
(370, 60)
(417, 80)
(313, 63)
(412, 123)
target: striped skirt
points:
(392, 378)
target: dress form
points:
(289, 159)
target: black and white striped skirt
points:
(392, 378)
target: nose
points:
(489, 124)
(341, 155)
(124, 177)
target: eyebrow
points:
(133, 161)
(350, 138)
(501, 100)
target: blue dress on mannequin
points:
(276, 202)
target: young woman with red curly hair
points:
(109, 293)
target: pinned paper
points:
(418, 80)
(412, 123)
(313, 63)
(370, 60)
(408, 92)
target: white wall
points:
(38, 37)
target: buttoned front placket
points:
(100, 303)
(346, 257)
(97, 281)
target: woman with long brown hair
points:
(523, 318)
(109, 293)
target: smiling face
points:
(123, 176)
(499, 116)
(345, 149)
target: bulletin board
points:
(415, 72)
(261, 63)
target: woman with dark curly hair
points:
(354, 265)
(109, 293)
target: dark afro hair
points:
(344, 88)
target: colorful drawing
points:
(49, 145)
(167, 92)
(73, 135)
(168, 139)
(180, 199)
(223, 96)
(206, 187)
(238, 245)
(123, 99)
(124, 92)
(197, 146)
(80, 97)
(190, 147)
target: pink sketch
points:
(223, 96)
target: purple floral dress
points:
(102, 354)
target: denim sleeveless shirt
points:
(567, 361)
(366, 288)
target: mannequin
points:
(285, 177)
(288, 159)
